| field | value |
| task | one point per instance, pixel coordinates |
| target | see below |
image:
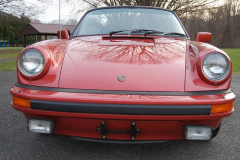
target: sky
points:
(52, 11)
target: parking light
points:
(21, 101)
(198, 132)
(41, 126)
(219, 108)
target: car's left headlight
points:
(215, 68)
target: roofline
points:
(42, 34)
(52, 24)
(29, 24)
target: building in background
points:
(43, 31)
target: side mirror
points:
(203, 37)
(64, 34)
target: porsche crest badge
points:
(121, 78)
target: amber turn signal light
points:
(219, 108)
(21, 101)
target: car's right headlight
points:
(32, 63)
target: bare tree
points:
(72, 22)
(54, 22)
(235, 11)
(18, 7)
(179, 6)
(222, 21)
(35, 21)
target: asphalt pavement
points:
(17, 143)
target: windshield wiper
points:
(114, 32)
(145, 31)
(175, 34)
(153, 32)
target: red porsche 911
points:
(125, 75)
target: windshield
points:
(105, 21)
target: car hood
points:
(146, 63)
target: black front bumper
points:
(126, 109)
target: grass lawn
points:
(9, 52)
(8, 66)
(6, 53)
(234, 54)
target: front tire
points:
(215, 131)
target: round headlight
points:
(215, 66)
(31, 62)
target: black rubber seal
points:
(157, 93)
(115, 141)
